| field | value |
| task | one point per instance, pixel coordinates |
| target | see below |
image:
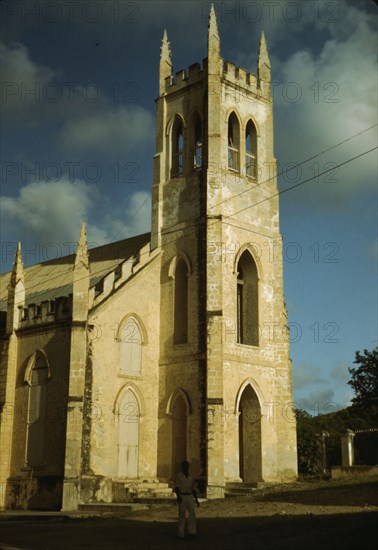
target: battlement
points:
(240, 77)
(186, 77)
(111, 281)
(230, 72)
(48, 311)
(118, 276)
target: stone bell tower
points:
(224, 344)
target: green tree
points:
(364, 379)
(307, 443)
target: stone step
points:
(112, 507)
(152, 494)
(158, 499)
(238, 493)
(146, 486)
(235, 488)
(237, 484)
(148, 490)
(156, 489)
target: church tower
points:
(224, 345)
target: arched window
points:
(233, 142)
(130, 338)
(247, 301)
(251, 150)
(181, 303)
(36, 416)
(177, 145)
(196, 130)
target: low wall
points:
(37, 493)
(340, 472)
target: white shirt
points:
(184, 484)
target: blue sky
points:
(79, 81)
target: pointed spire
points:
(213, 43)
(81, 278)
(18, 268)
(165, 62)
(165, 50)
(16, 293)
(213, 24)
(264, 62)
(82, 249)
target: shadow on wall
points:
(43, 493)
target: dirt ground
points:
(313, 515)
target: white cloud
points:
(52, 212)
(337, 95)
(84, 117)
(133, 217)
(323, 392)
(22, 84)
(46, 212)
(319, 401)
(340, 373)
(307, 375)
(139, 213)
(107, 130)
(323, 94)
(32, 93)
(17, 67)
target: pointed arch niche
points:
(179, 271)
(248, 408)
(179, 409)
(37, 374)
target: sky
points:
(79, 80)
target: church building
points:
(119, 362)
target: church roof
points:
(52, 279)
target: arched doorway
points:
(128, 436)
(179, 433)
(249, 436)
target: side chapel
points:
(119, 362)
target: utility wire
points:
(303, 182)
(299, 164)
(251, 205)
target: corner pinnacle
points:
(165, 50)
(82, 248)
(18, 267)
(213, 24)
(263, 53)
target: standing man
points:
(186, 496)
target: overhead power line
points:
(194, 226)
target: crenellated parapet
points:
(239, 76)
(45, 313)
(231, 73)
(184, 78)
(116, 278)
